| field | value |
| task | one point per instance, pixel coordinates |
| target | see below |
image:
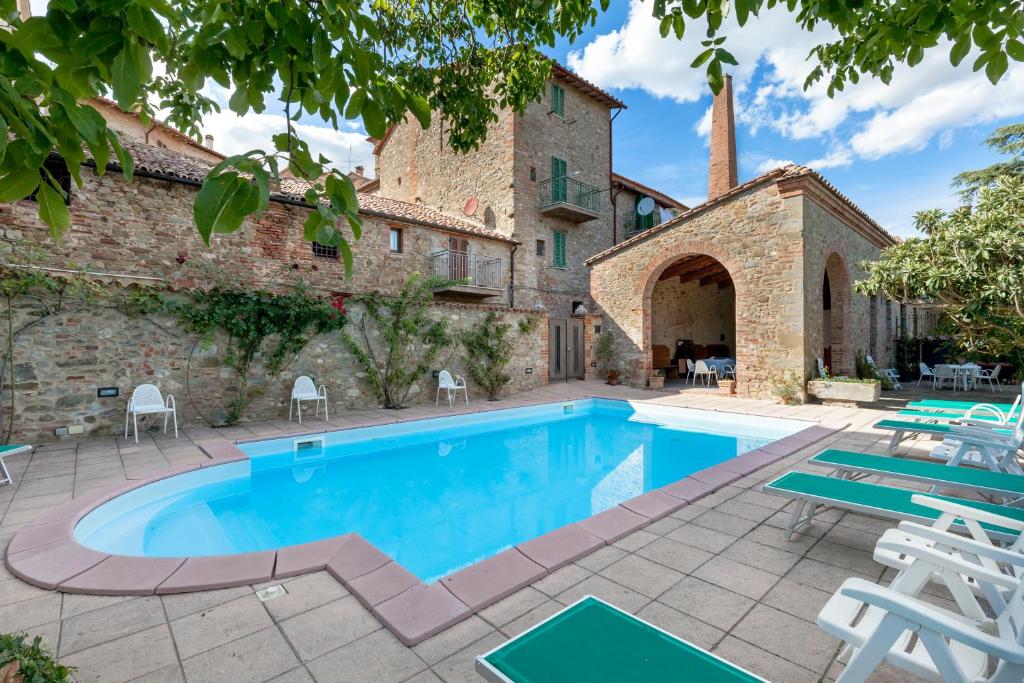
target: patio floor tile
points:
(210, 628)
(682, 558)
(514, 606)
(736, 577)
(606, 589)
(763, 663)
(383, 583)
(613, 524)
(776, 632)
(126, 658)
(376, 657)
(486, 582)
(713, 605)
(305, 593)
(252, 659)
(421, 612)
(444, 644)
(109, 623)
(642, 575)
(701, 537)
(682, 625)
(329, 626)
(560, 547)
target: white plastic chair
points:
(706, 371)
(305, 390)
(147, 400)
(925, 372)
(728, 371)
(821, 368)
(943, 374)
(451, 385)
(690, 369)
(990, 376)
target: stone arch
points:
(650, 273)
(835, 313)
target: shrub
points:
(29, 660)
(487, 349)
(604, 351)
(788, 387)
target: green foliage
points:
(788, 386)
(337, 60)
(872, 36)
(969, 266)
(35, 664)
(1008, 141)
(604, 351)
(487, 349)
(396, 340)
(276, 326)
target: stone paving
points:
(717, 572)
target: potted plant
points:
(727, 386)
(656, 380)
(845, 391)
(604, 352)
(613, 377)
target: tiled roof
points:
(151, 160)
(561, 73)
(791, 171)
(660, 197)
(160, 124)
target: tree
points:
(487, 350)
(1008, 140)
(380, 61)
(969, 266)
(396, 340)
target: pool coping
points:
(44, 553)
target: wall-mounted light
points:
(107, 392)
(529, 371)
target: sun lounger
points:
(889, 502)
(10, 449)
(853, 465)
(957, 406)
(933, 416)
(595, 642)
(901, 429)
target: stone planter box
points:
(844, 393)
(727, 386)
(656, 382)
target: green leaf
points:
(52, 210)
(125, 159)
(961, 47)
(996, 67)
(223, 203)
(126, 79)
(702, 57)
(373, 119)
(1015, 49)
(420, 108)
(18, 184)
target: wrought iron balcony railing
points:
(566, 190)
(461, 265)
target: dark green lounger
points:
(901, 428)
(1009, 486)
(879, 500)
(956, 406)
(594, 642)
(938, 415)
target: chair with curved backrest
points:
(943, 374)
(688, 364)
(706, 371)
(925, 372)
(452, 386)
(990, 376)
(305, 390)
(147, 400)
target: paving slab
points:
(613, 524)
(223, 571)
(421, 612)
(558, 548)
(487, 581)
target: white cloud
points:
(922, 103)
(769, 164)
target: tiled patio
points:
(717, 572)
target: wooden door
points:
(557, 330)
(458, 258)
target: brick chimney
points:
(722, 175)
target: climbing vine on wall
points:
(488, 348)
(275, 327)
(396, 340)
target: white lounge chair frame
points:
(8, 479)
(147, 400)
(305, 390)
(452, 385)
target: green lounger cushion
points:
(911, 426)
(592, 641)
(955, 406)
(923, 471)
(13, 448)
(885, 501)
(933, 415)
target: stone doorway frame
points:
(841, 301)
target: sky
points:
(893, 149)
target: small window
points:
(324, 250)
(557, 100)
(533, 173)
(559, 250)
(59, 170)
(541, 248)
(396, 241)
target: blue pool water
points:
(436, 495)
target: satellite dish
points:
(645, 206)
(470, 206)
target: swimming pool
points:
(435, 495)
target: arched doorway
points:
(692, 313)
(835, 303)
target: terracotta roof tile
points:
(165, 163)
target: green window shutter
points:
(642, 222)
(558, 181)
(557, 100)
(559, 250)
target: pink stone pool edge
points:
(45, 554)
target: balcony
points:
(635, 223)
(482, 275)
(568, 198)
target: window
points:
(59, 170)
(559, 250)
(396, 241)
(541, 247)
(324, 250)
(557, 100)
(558, 181)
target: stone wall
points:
(756, 235)
(689, 311)
(62, 361)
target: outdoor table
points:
(961, 373)
(719, 364)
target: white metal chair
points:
(990, 376)
(305, 390)
(706, 371)
(943, 374)
(892, 374)
(690, 368)
(728, 371)
(926, 372)
(147, 400)
(452, 386)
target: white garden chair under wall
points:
(305, 390)
(706, 371)
(990, 376)
(452, 386)
(926, 372)
(822, 373)
(690, 369)
(147, 400)
(943, 374)
(891, 374)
